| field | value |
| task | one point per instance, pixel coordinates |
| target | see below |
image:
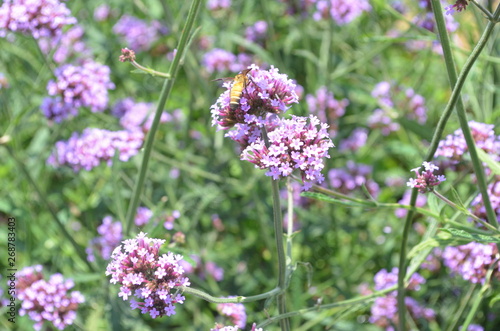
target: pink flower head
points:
(235, 311)
(265, 92)
(297, 143)
(426, 180)
(41, 18)
(148, 276)
(44, 300)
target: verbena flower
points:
(355, 141)
(471, 261)
(38, 18)
(296, 143)
(54, 109)
(220, 60)
(404, 100)
(384, 311)
(458, 6)
(384, 279)
(454, 147)
(148, 276)
(47, 301)
(110, 236)
(143, 216)
(341, 11)
(170, 219)
(353, 177)
(426, 180)
(327, 108)
(256, 32)
(267, 91)
(218, 4)
(235, 312)
(102, 13)
(405, 200)
(138, 34)
(94, 146)
(82, 86)
(137, 115)
(68, 44)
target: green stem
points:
(278, 235)
(150, 71)
(42, 197)
(278, 232)
(466, 212)
(165, 93)
(238, 299)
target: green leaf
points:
(467, 237)
(323, 197)
(492, 164)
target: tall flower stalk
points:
(187, 32)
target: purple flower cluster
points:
(384, 311)
(297, 143)
(396, 97)
(236, 313)
(257, 32)
(203, 269)
(68, 44)
(267, 91)
(110, 236)
(353, 177)
(49, 300)
(472, 327)
(355, 141)
(294, 143)
(218, 4)
(453, 147)
(77, 86)
(405, 200)
(327, 108)
(426, 180)
(477, 205)
(143, 216)
(95, 146)
(471, 261)
(220, 60)
(138, 34)
(341, 11)
(102, 13)
(140, 270)
(38, 18)
(457, 7)
(137, 115)
(170, 219)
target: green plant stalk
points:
(165, 93)
(289, 230)
(238, 299)
(457, 86)
(278, 232)
(349, 302)
(78, 249)
(477, 219)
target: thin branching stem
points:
(165, 93)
